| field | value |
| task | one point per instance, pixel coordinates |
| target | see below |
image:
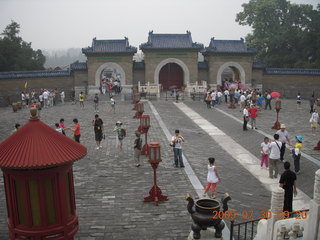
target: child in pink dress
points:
(265, 151)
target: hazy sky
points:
(60, 24)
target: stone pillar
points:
(313, 226)
(277, 200)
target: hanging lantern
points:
(140, 107)
(145, 122)
(278, 105)
(154, 152)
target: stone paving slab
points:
(109, 188)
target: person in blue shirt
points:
(260, 101)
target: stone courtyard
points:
(110, 189)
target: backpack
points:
(122, 134)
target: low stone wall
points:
(290, 85)
(10, 89)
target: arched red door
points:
(171, 76)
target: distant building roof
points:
(292, 71)
(79, 66)
(35, 74)
(259, 65)
(170, 41)
(109, 46)
(138, 65)
(228, 46)
(203, 65)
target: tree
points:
(285, 34)
(16, 54)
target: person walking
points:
(16, 127)
(265, 145)
(137, 146)
(314, 121)
(242, 101)
(120, 134)
(81, 99)
(253, 115)
(73, 96)
(62, 126)
(311, 102)
(58, 129)
(274, 157)
(96, 102)
(97, 124)
(45, 95)
(62, 96)
(268, 99)
(76, 130)
(284, 138)
(296, 154)
(177, 140)
(288, 181)
(226, 95)
(298, 101)
(213, 98)
(113, 105)
(212, 178)
(208, 99)
(245, 118)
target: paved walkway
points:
(110, 189)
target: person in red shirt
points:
(76, 130)
(253, 115)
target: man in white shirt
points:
(62, 95)
(274, 158)
(245, 118)
(45, 95)
(242, 101)
(226, 94)
(283, 138)
(213, 98)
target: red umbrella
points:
(275, 94)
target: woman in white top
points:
(314, 121)
(212, 178)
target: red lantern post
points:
(144, 128)
(140, 110)
(317, 147)
(155, 193)
(278, 107)
(136, 99)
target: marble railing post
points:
(276, 206)
(313, 227)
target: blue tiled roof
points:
(170, 41)
(79, 66)
(292, 71)
(203, 65)
(228, 46)
(35, 74)
(259, 65)
(109, 46)
(138, 65)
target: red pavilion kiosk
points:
(37, 167)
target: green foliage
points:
(16, 54)
(285, 34)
